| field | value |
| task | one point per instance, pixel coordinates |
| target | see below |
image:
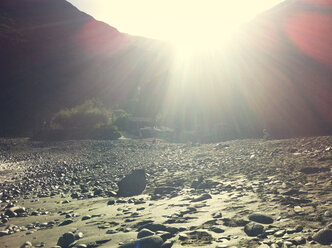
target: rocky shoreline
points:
(243, 193)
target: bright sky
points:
(178, 21)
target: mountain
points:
(55, 56)
(277, 75)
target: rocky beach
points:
(151, 193)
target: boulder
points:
(66, 240)
(132, 184)
(323, 236)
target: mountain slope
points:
(53, 55)
(277, 75)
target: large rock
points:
(133, 184)
(261, 218)
(66, 240)
(147, 242)
(324, 236)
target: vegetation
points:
(90, 120)
(91, 114)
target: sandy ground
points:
(288, 181)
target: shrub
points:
(88, 115)
(90, 120)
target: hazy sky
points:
(173, 19)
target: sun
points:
(191, 26)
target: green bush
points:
(90, 120)
(88, 115)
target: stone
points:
(10, 213)
(111, 202)
(298, 210)
(202, 197)
(147, 242)
(66, 222)
(217, 229)
(324, 236)
(261, 218)
(4, 233)
(168, 244)
(66, 240)
(280, 233)
(299, 240)
(144, 233)
(132, 184)
(86, 217)
(79, 235)
(27, 244)
(252, 229)
(17, 209)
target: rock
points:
(298, 210)
(164, 235)
(323, 237)
(261, 218)
(299, 240)
(328, 213)
(253, 229)
(144, 233)
(111, 202)
(10, 213)
(202, 197)
(217, 229)
(66, 240)
(27, 244)
(86, 217)
(183, 236)
(66, 222)
(4, 233)
(147, 242)
(17, 209)
(168, 244)
(280, 233)
(79, 235)
(217, 215)
(132, 184)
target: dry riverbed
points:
(244, 193)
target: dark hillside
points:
(53, 55)
(277, 75)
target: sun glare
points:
(190, 26)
